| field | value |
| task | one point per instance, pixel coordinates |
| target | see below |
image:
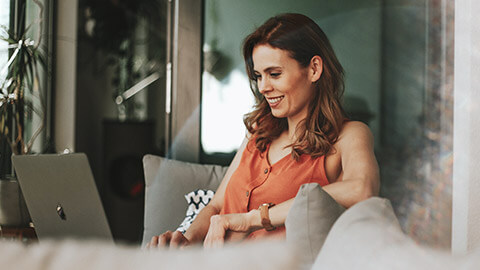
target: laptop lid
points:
(61, 196)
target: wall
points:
(466, 187)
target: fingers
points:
(164, 239)
(173, 240)
(153, 243)
(177, 240)
(159, 241)
(216, 232)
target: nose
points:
(264, 86)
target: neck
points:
(292, 127)
(293, 122)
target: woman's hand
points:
(173, 240)
(232, 227)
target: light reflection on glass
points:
(223, 105)
(4, 21)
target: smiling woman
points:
(298, 134)
(311, 84)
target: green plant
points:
(20, 95)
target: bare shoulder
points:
(355, 127)
(353, 133)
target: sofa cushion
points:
(76, 255)
(368, 236)
(167, 181)
(309, 220)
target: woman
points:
(298, 133)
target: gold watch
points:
(266, 223)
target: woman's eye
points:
(258, 76)
(274, 75)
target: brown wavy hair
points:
(303, 39)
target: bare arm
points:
(361, 178)
(197, 231)
(359, 181)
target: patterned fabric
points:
(196, 201)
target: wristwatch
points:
(267, 224)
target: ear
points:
(315, 68)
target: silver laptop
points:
(61, 196)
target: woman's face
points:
(286, 85)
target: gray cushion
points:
(309, 220)
(167, 181)
(367, 224)
(368, 236)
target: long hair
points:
(303, 39)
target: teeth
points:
(274, 100)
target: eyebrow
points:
(269, 69)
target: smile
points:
(274, 101)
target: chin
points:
(278, 114)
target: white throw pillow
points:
(196, 200)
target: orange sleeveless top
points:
(256, 181)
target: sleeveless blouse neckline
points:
(278, 161)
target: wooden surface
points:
(25, 235)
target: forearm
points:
(277, 214)
(349, 192)
(199, 228)
(346, 193)
(234, 227)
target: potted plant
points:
(21, 101)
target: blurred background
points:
(168, 78)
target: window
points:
(4, 21)
(26, 97)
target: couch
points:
(320, 235)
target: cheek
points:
(303, 96)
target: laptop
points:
(61, 196)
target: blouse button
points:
(247, 193)
(266, 171)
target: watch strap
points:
(265, 217)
